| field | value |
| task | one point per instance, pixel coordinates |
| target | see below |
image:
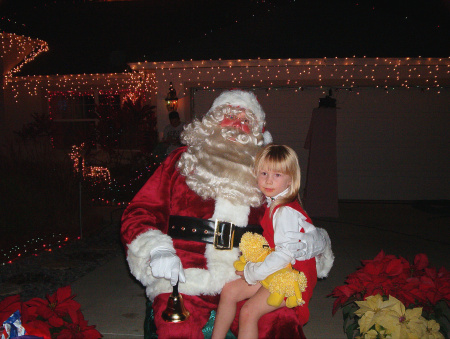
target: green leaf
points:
(347, 320)
(350, 331)
(444, 332)
(346, 310)
(349, 310)
(442, 310)
(349, 316)
(353, 310)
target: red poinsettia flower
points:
(435, 286)
(398, 268)
(55, 308)
(78, 329)
(377, 285)
(38, 328)
(405, 290)
(8, 306)
(444, 274)
(415, 286)
(420, 262)
(342, 293)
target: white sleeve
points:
(285, 219)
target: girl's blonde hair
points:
(282, 159)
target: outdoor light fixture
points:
(171, 99)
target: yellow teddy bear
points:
(286, 283)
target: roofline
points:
(379, 61)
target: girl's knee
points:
(230, 291)
(247, 314)
(227, 288)
(227, 292)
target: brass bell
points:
(175, 311)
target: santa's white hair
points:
(243, 100)
(219, 160)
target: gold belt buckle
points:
(218, 235)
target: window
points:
(115, 120)
(74, 118)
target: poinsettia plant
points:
(57, 316)
(389, 297)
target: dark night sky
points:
(100, 37)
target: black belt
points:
(223, 235)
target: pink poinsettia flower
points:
(55, 308)
(79, 329)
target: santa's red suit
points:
(145, 226)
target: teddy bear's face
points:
(254, 247)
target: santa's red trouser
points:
(282, 323)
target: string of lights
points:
(335, 72)
(33, 247)
(18, 50)
(254, 73)
(73, 84)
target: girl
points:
(278, 176)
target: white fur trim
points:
(138, 254)
(145, 242)
(239, 98)
(267, 138)
(198, 281)
(325, 260)
(226, 211)
(220, 268)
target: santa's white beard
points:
(218, 167)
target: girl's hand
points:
(241, 274)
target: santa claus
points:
(185, 224)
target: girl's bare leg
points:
(252, 311)
(231, 294)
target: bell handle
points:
(175, 290)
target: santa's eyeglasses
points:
(241, 117)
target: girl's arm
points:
(285, 220)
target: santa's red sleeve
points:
(149, 209)
(145, 220)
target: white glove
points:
(166, 264)
(312, 243)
